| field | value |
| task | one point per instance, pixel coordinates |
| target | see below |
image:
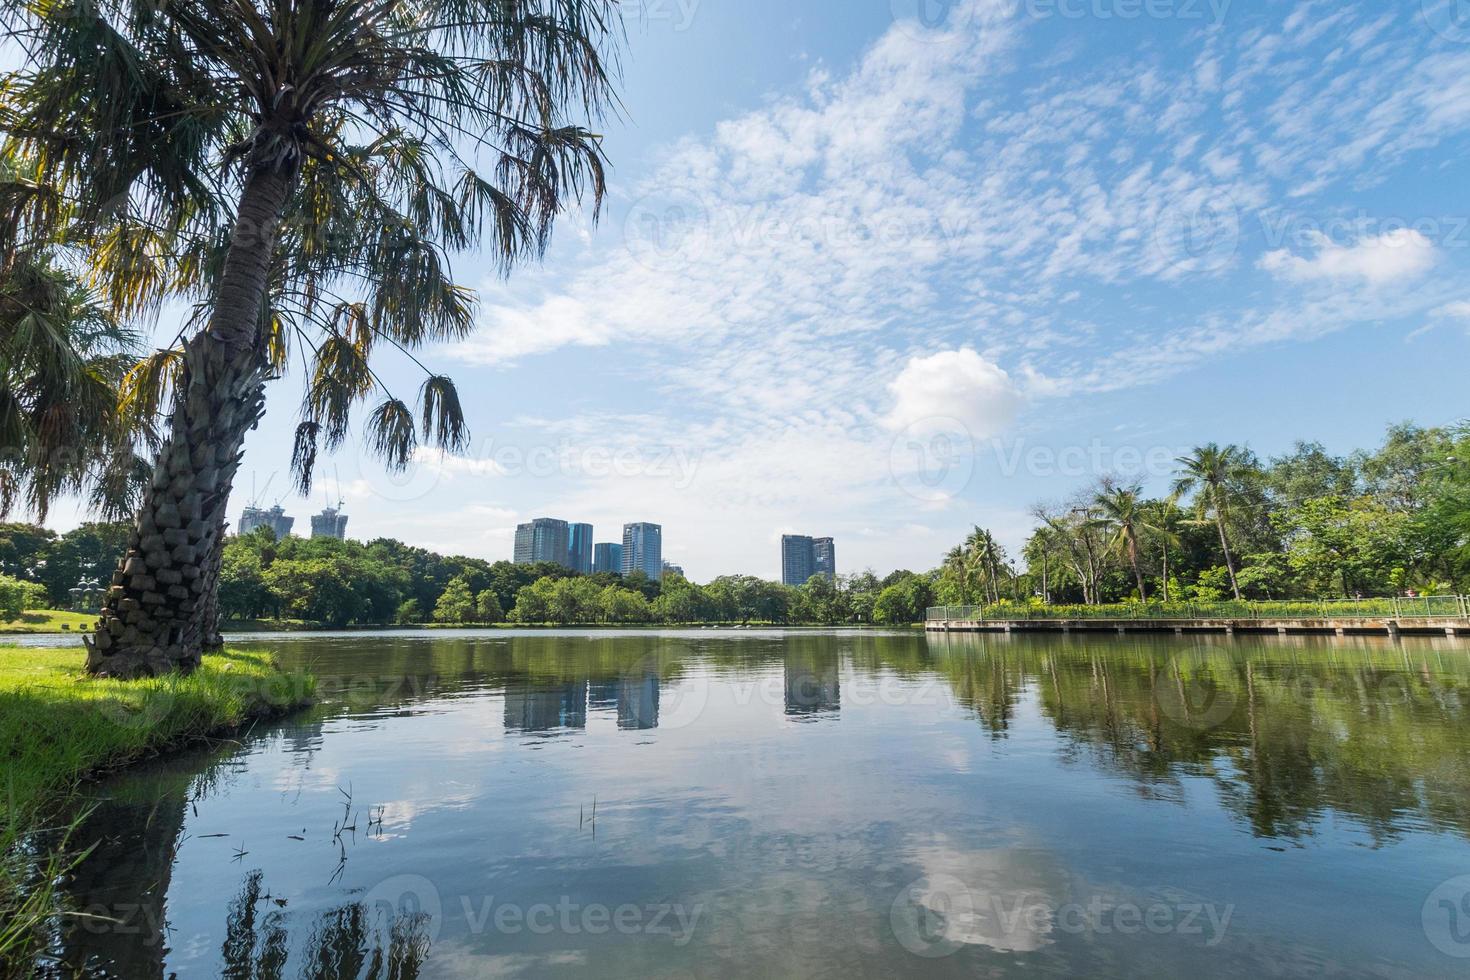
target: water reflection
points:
(966, 800)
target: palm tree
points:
(1211, 470)
(301, 170)
(1121, 508)
(1164, 522)
(62, 357)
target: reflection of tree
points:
(1289, 733)
(342, 943)
(255, 946)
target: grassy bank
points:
(49, 621)
(59, 727)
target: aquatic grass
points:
(59, 726)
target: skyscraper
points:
(643, 550)
(824, 558)
(330, 523)
(607, 557)
(544, 539)
(803, 556)
(579, 548)
(275, 519)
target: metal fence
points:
(1417, 607)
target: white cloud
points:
(1458, 310)
(954, 384)
(1393, 257)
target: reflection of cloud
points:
(1004, 899)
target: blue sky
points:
(882, 269)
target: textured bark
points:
(161, 610)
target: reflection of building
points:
(579, 548)
(803, 556)
(541, 710)
(671, 568)
(544, 539)
(275, 519)
(634, 695)
(330, 523)
(812, 688)
(643, 550)
(607, 558)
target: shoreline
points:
(62, 729)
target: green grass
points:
(50, 621)
(58, 727)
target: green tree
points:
(302, 170)
(487, 607)
(1210, 471)
(1123, 510)
(457, 604)
(619, 605)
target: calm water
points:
(768, 804)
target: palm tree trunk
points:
(1225, 546)
(1166, 573)
(1137, 571)
(161, 611)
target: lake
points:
(802, 803)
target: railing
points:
(1417, 607)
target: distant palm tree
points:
(1211, 470)
(1121, 508)
(302, 171)
(1165, 522)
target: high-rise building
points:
(671, 569)
(544, 539)
(803, 556)
(643, 550)
(275, 519)
(607, 557)
(330, 523)
(796, 559)
(579, 548)
(824, 558)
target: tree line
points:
(1304, 525)
(384, 581)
